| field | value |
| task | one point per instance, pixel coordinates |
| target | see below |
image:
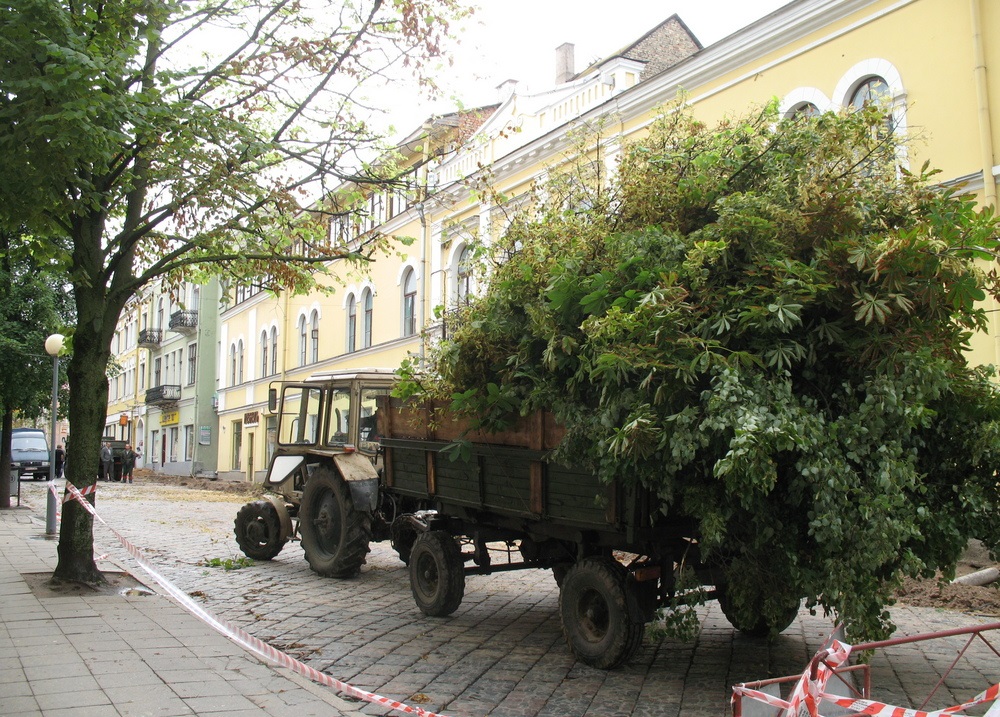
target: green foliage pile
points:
(765, 323)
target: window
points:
(299, 411)
(302, 340)
(873, 89)
(339, 408)
(409, 303)
(239, 361)
(237, 445)
(464, 277)
(352, 326)
(367, 303)
(159, 314)
(192, 362)
(314, 336)
(263, 353)
(173, 444)
(189, 442)
(232, 365)
(156, 371)
(142, 376)
(804, 110)
(154, 437)
(274, 350)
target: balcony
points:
(184, 322)
(163, 395)
(150, 338)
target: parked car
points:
(29, 451)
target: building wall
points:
(810, 50)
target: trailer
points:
(354, 465)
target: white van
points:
(29, 450)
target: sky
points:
(516, 39)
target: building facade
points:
(177, 432)
(934, 64)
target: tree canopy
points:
(169, 138)
(32, 308)
(766, 323)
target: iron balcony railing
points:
(184, 321)
(150, 337)
(159, 395)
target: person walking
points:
(128, 463)
(60, 460)
(107, 462)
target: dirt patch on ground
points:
(972, 599)
(115, 583)
(206, 484)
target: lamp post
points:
(53, 345)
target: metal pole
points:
(50, 504)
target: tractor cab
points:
(327, 415)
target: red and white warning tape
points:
(238, 635)
(68, 496)
(805, 699)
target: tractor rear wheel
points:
(333, 533)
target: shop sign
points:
(169, 417)
(251, 418)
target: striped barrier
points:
(810, 691)
(237, 635)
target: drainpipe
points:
(983, 100)
(422, 211)
(985, 138)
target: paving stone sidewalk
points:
(501, 654)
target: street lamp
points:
(53, 345)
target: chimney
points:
(564, 63)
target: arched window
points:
(274, 350)
(263, 353)
(232, 365)
(352, 324)
(368, 306)
(239, 361)
(804, 110)
(314, 335)
(872, 89)
(410, 303)
(463, 289)
(302, 340)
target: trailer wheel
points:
(437, 573)
(334, 535)
(758, 626)
(258, 530)
(601, 627)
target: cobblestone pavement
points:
(502, 652)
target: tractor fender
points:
(361, 477)
(283, 517)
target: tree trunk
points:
(88, 403)
(5, 457)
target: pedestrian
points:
(107, 462)
(128, 463)
(60, 460)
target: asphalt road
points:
(501, 653)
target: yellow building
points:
(936, 63)
(124, 397)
